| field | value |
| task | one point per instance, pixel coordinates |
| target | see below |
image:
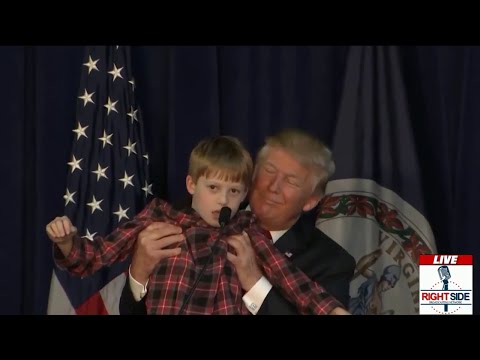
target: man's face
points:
(209, 195)
(282, 189)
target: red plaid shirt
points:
(219, 291)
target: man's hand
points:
(339, 311)
(244, 260)
(152, 246)
(61, 231)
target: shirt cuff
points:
(138, 290)
(255, 297)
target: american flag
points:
(107, 175)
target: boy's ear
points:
(190, 185)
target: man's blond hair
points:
(222, 157)
(306, 149)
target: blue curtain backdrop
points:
(187, 93)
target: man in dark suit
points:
(291, 173)
(319, 257)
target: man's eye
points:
(292, 182)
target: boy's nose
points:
(222, 199)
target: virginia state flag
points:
(374, 205)
(107, 175)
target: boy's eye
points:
(212, 187)
(235, 191)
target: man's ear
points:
(312, 201)
(190, 185)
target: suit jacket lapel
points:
(286, 242)
(294, 240)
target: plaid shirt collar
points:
(189, 218)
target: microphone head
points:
(444, 272)
(224, 216)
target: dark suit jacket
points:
(317, 255)
(320, 258)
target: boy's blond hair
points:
(222, 157)
(308, 150)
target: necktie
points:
(267, 234)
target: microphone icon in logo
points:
(444, 273)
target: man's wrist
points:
(138, 276)
(252, 281)
(254, 298)
(138, 289)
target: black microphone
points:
(223, 219)
(224, 216)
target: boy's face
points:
(209, 195)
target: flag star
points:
(121, 213)
(133, 114)
(91, 64)
(116, 72)
(69, 197)
(130, 147)
(146, 157)
(127, 180)
(80, 131)
(106, 138)
(75, 164)
(95, 204)
(133, 84)
(86, 97)
(89, 236)
(111, 106)
(100, 172)
(147, 189)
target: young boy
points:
(219, 175)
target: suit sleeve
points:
(128, 305)
(275, 304)
(331, 268)
(337, 284)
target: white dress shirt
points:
(255, 297)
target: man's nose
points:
(274, 185)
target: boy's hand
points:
(61, 230)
